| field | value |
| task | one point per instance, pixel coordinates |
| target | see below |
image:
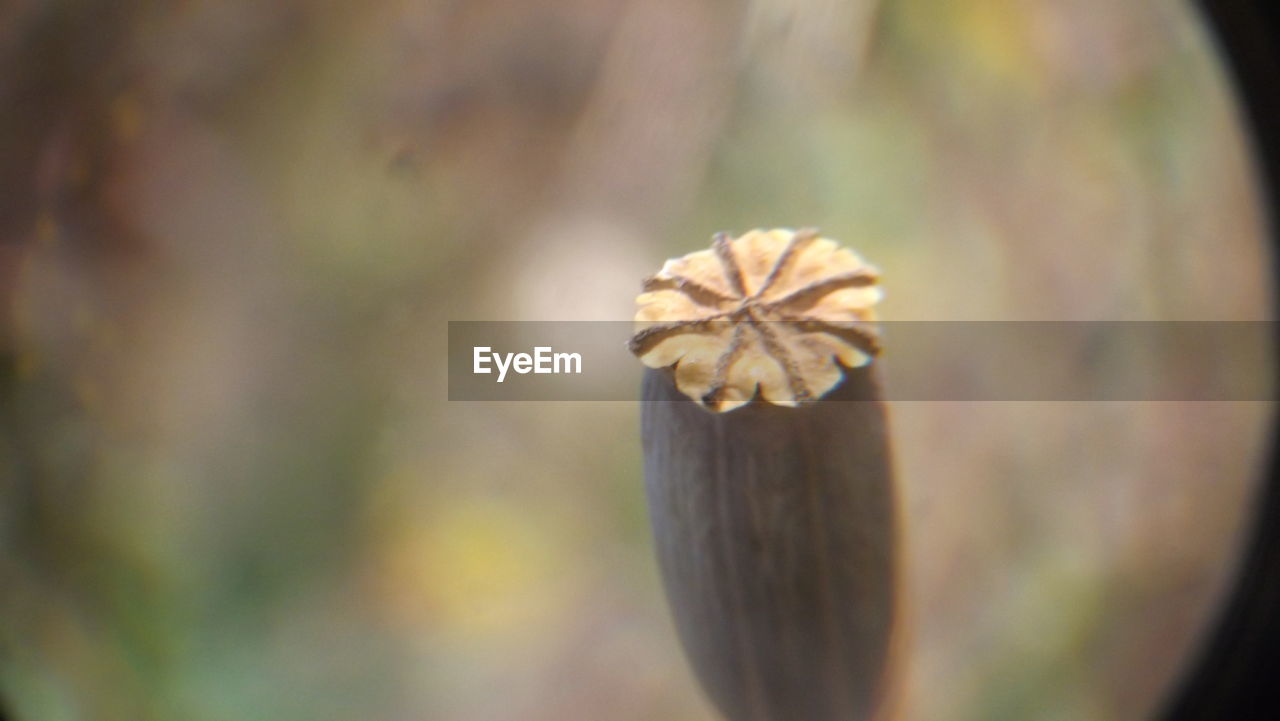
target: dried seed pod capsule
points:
(775, 523)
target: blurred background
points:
(231, 485)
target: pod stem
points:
(776, 535)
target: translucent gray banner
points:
(920, 361)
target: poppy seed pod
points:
(769, 477)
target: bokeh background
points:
(231, 485)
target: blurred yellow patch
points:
(127, 116)
(997, 36)
(47, 230)
(992, 43)
(476, 567)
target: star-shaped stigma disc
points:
(775, 310)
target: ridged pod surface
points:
(775, 521)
